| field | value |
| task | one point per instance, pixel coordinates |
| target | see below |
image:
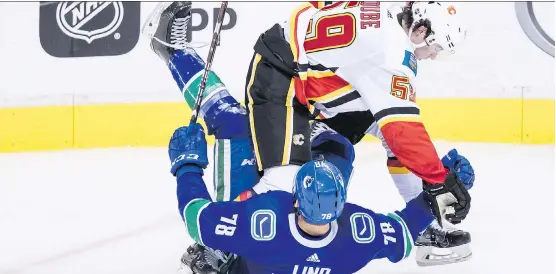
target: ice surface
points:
(114, 211)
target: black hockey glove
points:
(450, 199)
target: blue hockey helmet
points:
(320, 192)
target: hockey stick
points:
(215, 42)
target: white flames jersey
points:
(353, 56)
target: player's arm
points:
(229, 226)
(392, 235)
(219, 225)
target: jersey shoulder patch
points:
(359, 222)
(362, 227)
(268, 211)
(410, 61)
(263, 225)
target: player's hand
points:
(450, 200)
(188, 146)
(461, 166)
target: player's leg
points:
(187, 68)
(225, 118)
(234, 161)
(279, 123)
(221, 112)
(455, 242)
(335, 148)
(235, 168)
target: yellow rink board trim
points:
(36, 128)
(151, 124)
(538, 121)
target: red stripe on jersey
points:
(318, 87)
(299, 86)
(411, 144)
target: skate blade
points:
(426, 255)
(149, 27)
(184, 269)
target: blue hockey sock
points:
(187, 68)
(225, 117)
(235, 168)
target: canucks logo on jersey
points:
(362, 227)
(263, 225)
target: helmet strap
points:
(295, 208)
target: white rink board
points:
(499, 60)
(114, 211)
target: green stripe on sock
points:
(192, 211)
(220, 173)
(192, 87)
(408, 240)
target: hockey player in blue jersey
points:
(306, 231)
(225, 119)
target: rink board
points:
(151, 124)
(69, 93)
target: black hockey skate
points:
(167, 27)
(437, 246)
(203, 260)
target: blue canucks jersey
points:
(264, 232)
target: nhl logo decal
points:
(73, 16)
(87, 29)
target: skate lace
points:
(178, 36)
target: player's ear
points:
(422, 31)
(418, 35)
